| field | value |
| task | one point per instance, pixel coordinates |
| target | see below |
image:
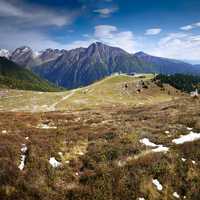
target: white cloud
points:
(34, 39)
(27, 24)
(197, 24)
(79, 43)
(104, 31)
(183, 46)
(190, 26)
(105, 12)
(34, 15)
(187, 28)
(109, 35)
(7, 9)
(153, 31)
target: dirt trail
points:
(53, 106)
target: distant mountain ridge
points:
(83, 66)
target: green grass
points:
(15, 77)
(109, 92)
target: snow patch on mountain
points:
(4, 53)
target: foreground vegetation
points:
(93, 145)
(100, 153)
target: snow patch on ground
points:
(192, 136)
(193, 162)
(157, 184)
(160, 147)
(175, 194)
(4, 131)
(147, 142)
(183, 159)
(45, 126)
(24, 149)
(54, 163)
(141, 198)
(167, 132)
(22, 163)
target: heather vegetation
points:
(124, 143)
(100, 153)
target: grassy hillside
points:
(114, 91)
(15, 77)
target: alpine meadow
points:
(99, 100)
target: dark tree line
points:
(185, 83)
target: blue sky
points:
(168, 28)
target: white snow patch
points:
(175, 194)
(167, 132)
(183, 159)
(45, 126)
(141, 198)
(193, 162)
(189, 129)
(4, 131)
(80, 153)
(24, 149)
(147, 142)
(26, 138)
(4, 53)
(192, 136)
(22, 164)
(53, 162)
(157, 184)
(160, 147)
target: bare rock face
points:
(28, 58)
(23, 56)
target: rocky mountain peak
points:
(141, 54)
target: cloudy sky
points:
(168, 28)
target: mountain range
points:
(83, 66)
